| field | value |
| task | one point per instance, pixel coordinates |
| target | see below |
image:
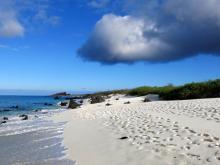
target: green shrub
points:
(106, 93)
(209, 89)
(141, 91)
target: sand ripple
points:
(184, 131)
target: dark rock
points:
(48, 104)
(15, 107)
(107, 104)
(117, 99)
(124, 137)
(5, 110)
(97, 99)
(74, 97)
(73, 104)
(128, 102)
(147, 100)
(63, 104)
(108, 96)
(88, 96)
(56, 98)
(5, 118)
(61, 94)
(81, 101)
(3, 122)
(24, 117)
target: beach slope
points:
(160, 132)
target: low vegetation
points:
(142, 91)
(208, 89)
(106, 93)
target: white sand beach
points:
(143, 133)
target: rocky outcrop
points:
(73, 97)
(48, 104)
(2, 122)
(128, 102)
(97, 99)
(73, 104)
(108, 104)
(5, 118)
(146, 100)
(24, 117)
(5, 110)
(63, 104)
(152, 97)
(60, 94)
(56, 98)
(123, 138)
(15, 107)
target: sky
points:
(92, 45)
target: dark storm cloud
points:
(156, 31)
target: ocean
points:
(35, 141)
(25, 104)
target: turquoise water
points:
(11, 105)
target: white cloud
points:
(11, 28)
(9, 23)
(17, 16)
(43, 16)
(98, 3)
(14, 48)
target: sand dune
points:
(162, 132)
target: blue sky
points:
(42, 54)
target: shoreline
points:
(35, 141)
(172, 132)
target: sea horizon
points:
(12, 92)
